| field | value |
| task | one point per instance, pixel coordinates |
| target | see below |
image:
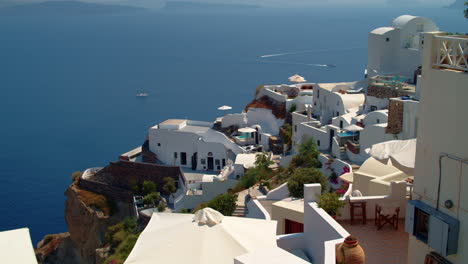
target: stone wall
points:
(384, 92)
(395, 117)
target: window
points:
(318, 94)
(419, 27)
(387, 39)
(175, 155)
(217, 162)
(337, 103)
(318, 143)
(183, 158)
(159, 144)
(210, 154)
(373, 108)
(341, 123)
(295, 128)
(378, 121)
(421, 225)
(224, 162)
(337, 113)
(203, 161)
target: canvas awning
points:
(347, 177)
(401, 153)
(16, 247)
(208, 237)
(247, 130)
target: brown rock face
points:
(57, 248)
(87, 227)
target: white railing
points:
(452, 52)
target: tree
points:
(224, 203)
(169, 186)
(303, 176)
(148, 187)
(151, 198)
(308, 155)
(286, 133)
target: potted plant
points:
(331, 203)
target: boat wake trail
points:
(308, 51)
(300, 63)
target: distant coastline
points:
(67, 8)
(182, 5)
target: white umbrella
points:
(353, 128)
(209, 237)
(297, 79)
(402, 154)
(224, 107)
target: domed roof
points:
(382, 30)
(401, 21)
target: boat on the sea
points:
(142, 94)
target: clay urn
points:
(350, 252)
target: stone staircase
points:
(240, 211)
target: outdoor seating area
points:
(393, 82)
(385, 246)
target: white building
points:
(336, 99)
(192, 144)
(397, 50)
(439, 213)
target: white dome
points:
(401, 21)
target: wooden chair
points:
(382, 218)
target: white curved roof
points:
(401, 21)
(382, 30)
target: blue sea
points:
(68, 83)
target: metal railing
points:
(452, 52)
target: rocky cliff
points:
(87, 225)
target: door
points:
(256, 136)
(332, 135)
(293, 227)
(183, 158)
(210, 163)
(194, 161)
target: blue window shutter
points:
(438, 235)
(409, 218)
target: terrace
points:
(396, 83)
(385, 246)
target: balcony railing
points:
(452, 52)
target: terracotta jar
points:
(350, 252)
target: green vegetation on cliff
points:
(121, 238)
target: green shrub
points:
(161, 207)
(184, 211)
(148, 187)
(331, 203)
(308, 155)
(151, 198)
(303, 176)
(135, 187)
(224, 203)
(286, 133)
(293, 108)
(169, 186)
